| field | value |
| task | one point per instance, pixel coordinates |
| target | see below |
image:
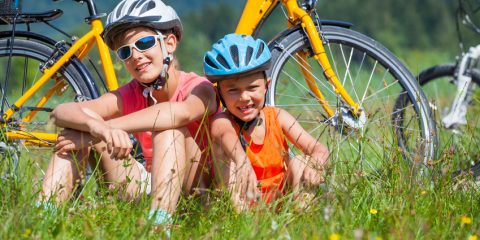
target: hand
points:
(248, 185)
(71, 140)
(118, 142)
(313, 173)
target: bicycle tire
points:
(439, 87)
(27, 56)
(363, 145)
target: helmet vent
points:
(261, 47)
(148, 7)
(234, 54)
(132, 7)
(209, 62)
(119, 10)
(222, 61)
(248, 55)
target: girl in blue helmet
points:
(250, 139)
(164, 107)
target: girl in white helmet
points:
(164, 107)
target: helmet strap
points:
(244, 126)
(162, 79)
(167, 60)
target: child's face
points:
(144, 66)
(244, 97)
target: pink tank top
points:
(133, 100)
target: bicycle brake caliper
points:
(60, 48)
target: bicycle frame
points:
(458, 110)
(256, 11)
(80, 49)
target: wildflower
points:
(466, 220)
(423, 192)
(274, 225)
(334, 236)
(27, 233)
(473, 237)
(327, 213)
(373, 211)
(378, 238)
(358, 234)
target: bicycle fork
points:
(299, 14)
(458, 111)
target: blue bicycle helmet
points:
(236, 55)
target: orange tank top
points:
(268, 159)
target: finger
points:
(60, 144)
(116, 146)
(127, 143)
(241, 185)
(66, 148)
(120, 144)
(129, 146)
(107, 138)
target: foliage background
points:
(420, 32)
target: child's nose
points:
(244, 96)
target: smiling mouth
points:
(246, 108)
(142, 67)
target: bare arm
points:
(224, 133)
(80, 115)
(168, 115)
(246, 186)
(301, 138)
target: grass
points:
(394, 202)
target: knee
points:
(169, 134)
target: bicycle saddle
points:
(31, 17)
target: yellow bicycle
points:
(341, 84)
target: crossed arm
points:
(103, 121)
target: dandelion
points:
(423, 192)
(473, 237)
(466, 220)
(373, 211)
(27, 233)
(334, 236)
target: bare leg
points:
(122, 174)
(176, 165)
(63, 174)
(226, 169)
(295, 167)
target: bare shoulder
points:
(284, 117)
(206, 94)
(221, 123)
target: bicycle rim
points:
(439, 86)
(374, 78)
(27, 57)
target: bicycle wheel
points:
(438, 83)
(27, 57)
(374, 78)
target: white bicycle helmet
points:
(150, 13)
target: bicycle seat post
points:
(92, 10)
